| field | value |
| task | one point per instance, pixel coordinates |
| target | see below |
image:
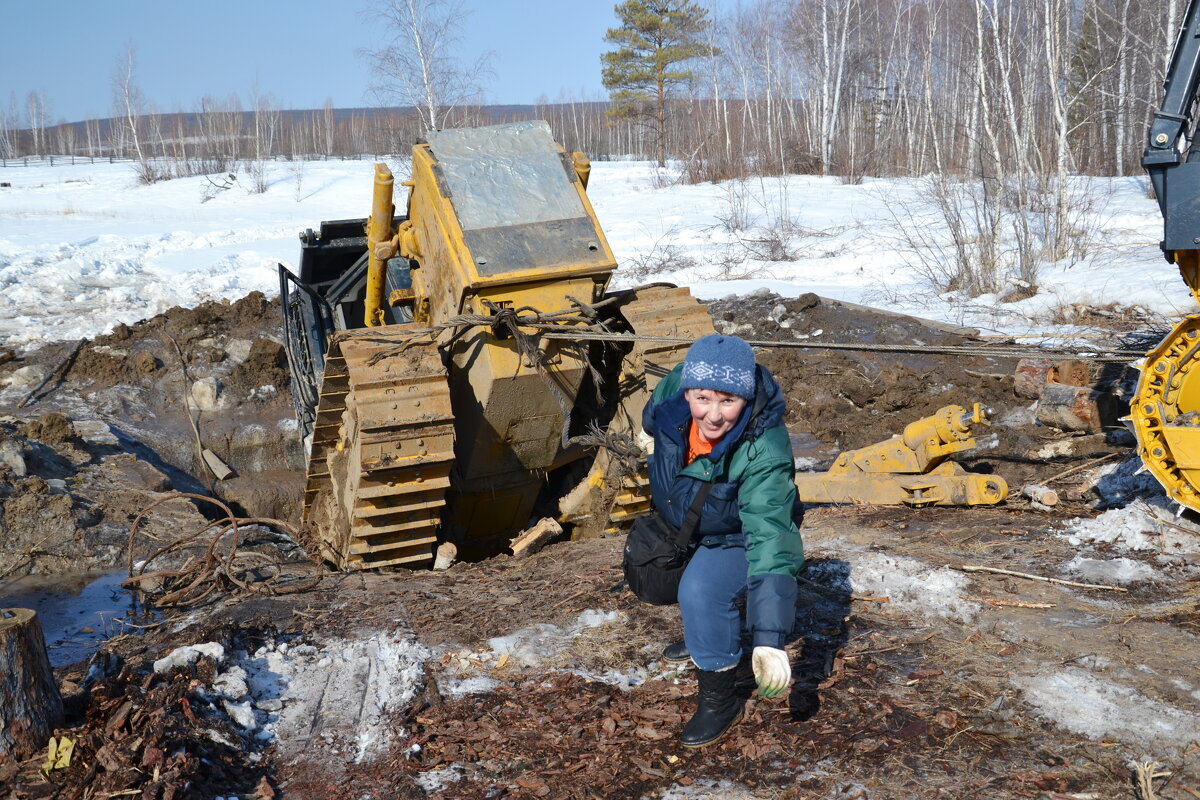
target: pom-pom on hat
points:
(723, 363)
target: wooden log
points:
(1069, 408)
(1032, 374)
(530, 540)
(1041, 494)
(30, 705)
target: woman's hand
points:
(772, 670)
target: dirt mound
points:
(210, 378)
(195, 335)
(66, 500)
(51, 429)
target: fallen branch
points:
(1145, 774)
(1060, 581)
(219, 568)
(1073, 470)
(995, 601)
(218, 468)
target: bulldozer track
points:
(383, 447)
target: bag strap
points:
(692, 518)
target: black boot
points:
(717, 710)
(676, 653)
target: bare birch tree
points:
(128, 103)
(420, 65)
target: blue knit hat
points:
(723, 363)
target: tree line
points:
(834, 87)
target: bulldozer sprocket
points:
(383, 446)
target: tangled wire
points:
(224, 566)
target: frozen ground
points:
(87, 238)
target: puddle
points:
(810, 453)
(77, 612)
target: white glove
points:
(772, 670)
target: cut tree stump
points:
(1069, 408)
(1032, 375)
(30, 705)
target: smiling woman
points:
(720, 444)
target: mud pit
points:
(540, 677)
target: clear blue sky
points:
(300, 51)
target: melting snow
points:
(1121, 571)
(188, 655)
(912, 585)
(1084, 704)
(529, 646)
(343, 691)
(1141, 525)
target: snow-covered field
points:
(84, 246)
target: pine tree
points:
(656, 38)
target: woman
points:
(718, 418)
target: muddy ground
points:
(540, 677)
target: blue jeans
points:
(712, 582)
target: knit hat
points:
(723, 363)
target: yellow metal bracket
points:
(910, 468)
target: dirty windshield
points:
(515, 198)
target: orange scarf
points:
(696, 446)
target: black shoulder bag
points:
(656, 554)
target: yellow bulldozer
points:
(463, 368)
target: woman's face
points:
(715, 412)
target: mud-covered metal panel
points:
(536, 245)
(515, 197)
(503, 175)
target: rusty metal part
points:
(910, 468)
(611, 494)
(382, 450)
(1032, 374)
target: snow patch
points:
(343, 692)
(711, 790)
(912, 585)
(458, 688)
(436, 780)
(1141, 525)
(1086, 705)
(1120, 571)
(188, 655)
(529, 646)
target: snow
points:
(346, 689)
(1141, 525)
(1084, 704)
(189, 654)
(1119, 571)
(529, 646)
(88, 236)
(913, 586)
